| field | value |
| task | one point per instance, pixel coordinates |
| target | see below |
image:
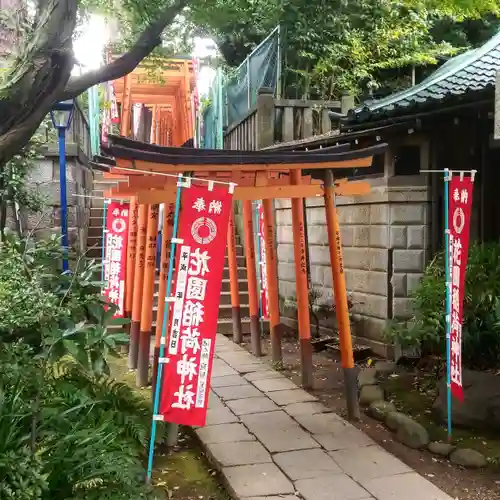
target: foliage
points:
(90, 432)
(337, 46)
(67, 431)
(481, 316)
(318, 307)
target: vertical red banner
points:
(115, 261)
(263, 270)
(203, 226)
(460, 208)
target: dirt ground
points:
(459, 483)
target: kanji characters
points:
(199, 204)
(215, 207)
(464, 196)
(185, 397)
(457, 252)
(199, 263)
(193, 313)
(190, 340)
(196, 288)
(187, 368)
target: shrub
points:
(85, 438)
(481, 312)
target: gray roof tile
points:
(474, 70)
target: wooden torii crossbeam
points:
(146, 174)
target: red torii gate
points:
(148, 176)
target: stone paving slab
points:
(221, 369)
(257, 480)
(281, 497)
(369, 462)
(282, 444)
(216, 416)
(306, 464)
(224, 433)
(333, 487)
(251, 405)
(239, 453)
(274, 384)
(410, 486)
(228, 381)
(307, 408)
(262, 375)
(237, 392)
(284, 398)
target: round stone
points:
(412, 434)
(441, 449)
(380, 409)
(369, 394)
(394, 419)
(368, 376)
(468, 458)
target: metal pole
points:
(104, 236)
(174, 428)
(64, 202)
(447, 178)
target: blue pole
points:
(447, 178)
(104, 233)
(156, 404)
(64, 201)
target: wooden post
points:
(142, 375)
(135, 326)
(340, 293)
(233, 279)
(125, 130)
(162, 288)
(272, 281)
(131, 252)
(253, 298)
(302, 290)
(126, 106)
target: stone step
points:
(242, 285)
(242, 273)
(225, 310)
(225, 298)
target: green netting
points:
(260, 69)
(230, 100)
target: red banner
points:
(263, 272)
(203, 226)
(460, 206)
(115, 260)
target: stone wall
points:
(45, 179)
(386, 240)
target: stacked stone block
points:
(385, 247)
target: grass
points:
(414, 395)
(183, 473)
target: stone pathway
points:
(272, 440)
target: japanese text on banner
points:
(263, 269)
(203, 226)
(460, 206)
(117, 221)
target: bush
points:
(85, 438)
(67, 430)
(481, 317)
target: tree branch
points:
(149, 40)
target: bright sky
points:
(89, 48)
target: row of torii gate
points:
(146, 175)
